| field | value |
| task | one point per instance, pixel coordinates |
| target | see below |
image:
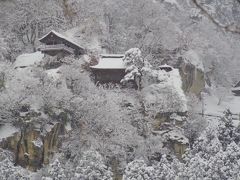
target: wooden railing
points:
(56, 47)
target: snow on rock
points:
(48, 127)
(68, 127)
(163, 92)
(193, 58)
(38, 143)
(26, 60)
(177, 135)
(178, 118)
(54, 74)
(7, 130)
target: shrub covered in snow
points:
(87, 166)
(164, 169)
(134, 63)
(8, 170)
(56, 171)
(162, 91)
(216, 154)
(91, 166)
(139, 170)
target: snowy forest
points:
(119, 89)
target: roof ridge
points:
(61, 36)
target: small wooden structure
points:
(236, 89)
(166, 68)
(110, 68)
(56, 43)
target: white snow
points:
(163, 90)
(177, 135)
(38, 143)
(71, 33)
(48, 127)
(26, 60)
(68, 126)
(214, 111)
(193, 58)
(165, 66)
(54, 74)
(111, 62)
(213, 107)
(236, 89)
(176, 117)
(174, 3)
(92, 42)
(7, 130)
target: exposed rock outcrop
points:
(32, 147)
(192, 78)
(192, 73)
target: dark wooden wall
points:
(108, 75)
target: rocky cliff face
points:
(192, 79)
(192, 73)
(32, 147)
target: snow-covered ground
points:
(30, 59)
(214, 111)
(230, 102)
(54, 74)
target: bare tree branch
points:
(229, 28)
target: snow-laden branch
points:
(233, 28)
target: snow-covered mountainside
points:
(148, 96)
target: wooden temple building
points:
(55, 43)
(236, 89)
(110, 68)
(166, 68)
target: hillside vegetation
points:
(181, 124)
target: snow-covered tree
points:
(91, 166)
(88, 165)
(56, 171)
(134, 63)
(215, 154)
(138, 169)
(167, 168)
(8, 170)
(33, 18)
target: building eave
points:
(61, 37)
